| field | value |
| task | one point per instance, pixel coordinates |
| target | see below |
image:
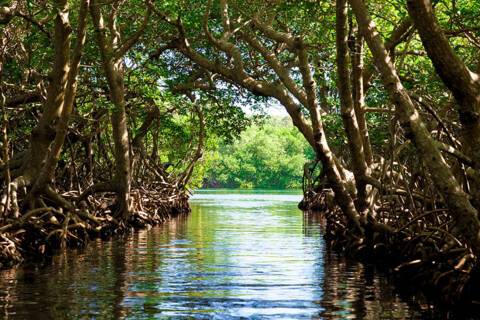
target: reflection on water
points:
(243, 254)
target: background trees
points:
(385, 94)
(268, 155)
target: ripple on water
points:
(245, 254)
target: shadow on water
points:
(239, 254)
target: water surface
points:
(237, 255)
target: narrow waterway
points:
(239, 254)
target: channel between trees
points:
(117, 70)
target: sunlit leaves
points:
(267, 156)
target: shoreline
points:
(40, 234)
(436, 276)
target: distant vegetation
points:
(267, 155)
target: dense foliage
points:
(267, 155)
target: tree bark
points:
(462, 82)
(465, 215)
(355, 141)
(46, 175)
(43, 134)
(113, 68)
(359, 96)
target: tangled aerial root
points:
(39, 233)
(417, 249)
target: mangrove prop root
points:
(38, 233)
(417, 247)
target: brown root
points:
(39, 233)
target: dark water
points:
(245, 255)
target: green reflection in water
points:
(240, 253)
